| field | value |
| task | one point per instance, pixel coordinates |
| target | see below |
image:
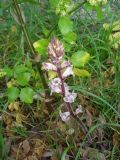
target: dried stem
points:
(33, 53)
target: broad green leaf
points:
(28, 63)
(41, 46)
(52, 74)
(45, 31)
(9, 71)
(67, 47)
(80, 58)
(65, 25)
(20, 69)
(13, 93)
(81, 72)
(26, 95)
(70, 37)
(23, 78)
(88, 6)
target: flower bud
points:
(55, 49)
(79, 110)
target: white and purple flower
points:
(64, 69)
(65, 116)
(70, 97)
(65, 64)
(55, 85)
(49, 66)
(67, 72)
(79, 110)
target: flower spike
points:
(63, 68)
(55, 49)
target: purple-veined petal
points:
(65, 116)
(55, 49)
(66, 88)
(55, 85)
(79, 110)
(49, 66)
(65, 64)
(67, 72)
(70, 97)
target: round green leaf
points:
(70, 37)
(41, 46)
(20, 68)
(13, 93)
(9, 71)
(88, 7)
(67, 47)
(80, 58)
(81, 72)
(23, 78)
(26, 95)
(65, 25)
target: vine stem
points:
(68, 105)
(29, 42)
(76, 7)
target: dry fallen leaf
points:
(89, 118)
(31, 157)
(92, 153)
(39, 147)
(116, 139)
(102, 119)
(61, 126)
(20, 118)
(7, 119)
(26, 146)
(14, 106)
(49, 154)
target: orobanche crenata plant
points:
(63, 68)
(63, 26)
